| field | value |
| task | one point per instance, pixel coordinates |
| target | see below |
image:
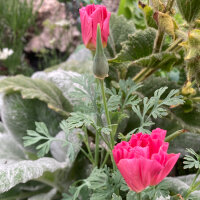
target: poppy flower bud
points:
(90, 16)
(100, 64)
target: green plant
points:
(16, 17)
(80, 118)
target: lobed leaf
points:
(138, 45)
(164, 61)
(37, 89)
(120, 28)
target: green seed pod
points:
(100, 64)
(189, 9)
(166, 23)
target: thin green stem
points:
(174, 135)
(193, 185)
(139, 196)
(158, 41)
(97, 149)
(169, 5)
(174, 45)
(87, 144)
(105, 159)
(90, 159)
(108, 121)
(106, 108)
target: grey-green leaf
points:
(120, 28)
(138, 45)
(19, 115)
(10, 149)
(37, 89)
(115, 197)
(17, 172)
(188, 121)
(44, 196)
(164, 61)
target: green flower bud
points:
(100, 64)
(192, 45)
(166, 23)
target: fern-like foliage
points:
(42, 136)
(192, 160)
(86, 94)
(155, 107)
(125, 96)
(101, 184)
(42, 139)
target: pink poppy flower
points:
(143, 161)
(90, 16)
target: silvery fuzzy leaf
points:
(62, 79)
(44, 196)
(177, 186)
(60, 152)
(14, 169)
(186, 140)
(42, 90)
(22, 171)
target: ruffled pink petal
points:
(158, 134)
(156, 144)
(139, 139)
(138, 172)
(120, 151)
(161, 157)
(171, 161)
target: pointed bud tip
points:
(100, 64)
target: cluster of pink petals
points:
(143, 161)
(91, 16)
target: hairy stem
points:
(191, 189)
(174, 135)
(108, 121)
(97, 149)
(158, 41)
(106, 108)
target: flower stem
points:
(106, 108)
(108, 121)
(174, 135)
(193, 185)
(97, 149)
(139, 196)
